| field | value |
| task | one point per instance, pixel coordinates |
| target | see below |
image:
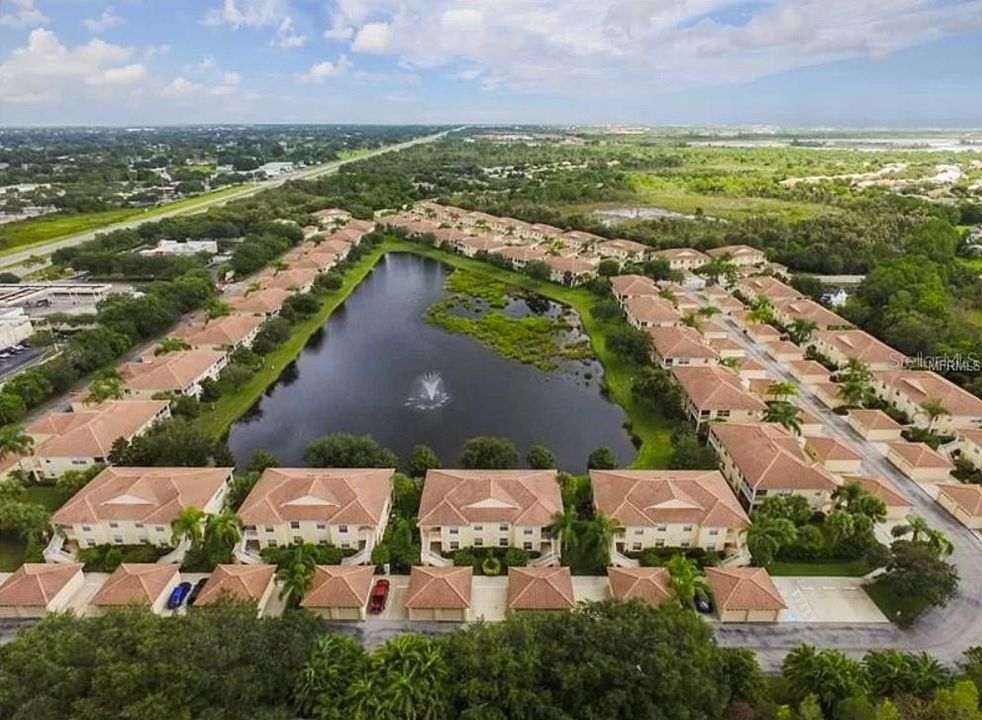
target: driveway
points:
(827, 600)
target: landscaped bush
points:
(658, 557)
(106, 558)
(491, 566)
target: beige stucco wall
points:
(636, 538)
(488, 534)
(973, 522)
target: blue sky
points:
(890, 63)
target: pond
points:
(377, 367)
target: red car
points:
(380, 593)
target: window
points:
(686, 528)
(503, 542)
(503, 527)
(249, 528)
(661, 528)
(321, 526)
(453, 530)
(714, 532)
(139, 525)
(761, 493)
(636, 546)
(659, 543)
(685, 543)
(322, 541)
(160, 528)
(639, 531)
(478, 542)
(478, 528)
(527, 545)
(297, 539)
(272, 542)
(86, 528)
(114, 524)
(454, 544)
(294, 524)
(723, 414)
(90, 542)
(342, 528)
(118, 539)
(527, 531)
(269, 528)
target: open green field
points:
(25, 234)
(672, 194)
(900, 610)
(653, 430)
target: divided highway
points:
(14, 262)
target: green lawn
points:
(24, 234)
(48, 495)
(900, 610)
(826, 568)
(13, 549)
(652, 429)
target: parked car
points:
(177, 596)
(196, 590)
(380, 593)
(702, 602)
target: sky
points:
(792, 63)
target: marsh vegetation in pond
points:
(379, 367)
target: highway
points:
(14, 262)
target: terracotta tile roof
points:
(873, 419)
(880, 488)
(91, 433)
(727, 304)
(748, 364)
(770, 457)
(314, 260)
(647, 309)
(829, 389)
(723, 344)
(618, 245)
(260, 301)
(922, 385)
(972, 436)
(807, 417)
(651, 584)
(783, 347)
(339, 496)
(487, 243)
(524, 253)
(444, 588)
(680, 342)
(715, 388)
(463, 497)
(34, 585)
(966, 497)
(287, 279)
(744, 588)
(545, 229)
(172, 371)
(808, 368)
(808, 309)
(859, 344)
(734, 251)
(768, 287)
(142, 494)
(221, 331)
(241, 582)
(762, 332)
(633, 285)
(340, 586)
(135, 583)
(681, 255)
(572, 265)
(824, 449)
(540, 588)
(652, 497)
(919, 455)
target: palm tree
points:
(782, 390)
(565, 527)
(14, 441)
(169, 345)
(295, 579)
(920, 531)
(841, 526)
(934, 409)
(766, 536)
(853, 498)
(785, 414)
(107, 385)
(829, 675)
(686, 579)
(223, 529)
(190, 523)
(801, 329)
(762, 312)
(602, 530)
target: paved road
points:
(14, 262)
(944, 632)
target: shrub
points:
(491, 566)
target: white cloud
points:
(107, 20)
(248, 13)
(25, 14)
(586, 47)
(181, 88)
(374, 37)
(156, 51)
(44, 69)
(324, 70)
(287, 37)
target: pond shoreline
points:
(651, 431)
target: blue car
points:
(177, 596)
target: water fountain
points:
(427, 392)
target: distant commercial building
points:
(15, 327)
(27, 295)
(182, 247)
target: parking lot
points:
(827, 599)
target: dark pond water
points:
(377, 361)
